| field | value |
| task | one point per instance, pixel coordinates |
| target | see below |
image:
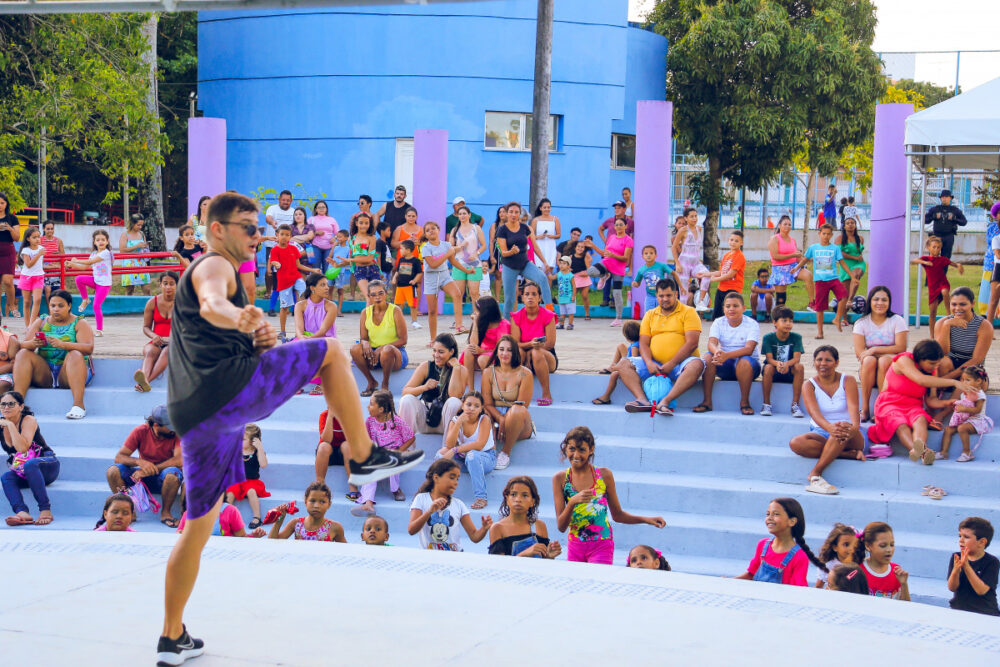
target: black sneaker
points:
(171, 652)
(383, 463)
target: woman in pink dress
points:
(899, 408)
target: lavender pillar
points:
(430, 184)
(888, 264)
(653, 125)
(206, 159)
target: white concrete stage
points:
(96, 599)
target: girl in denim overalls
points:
(784, 557)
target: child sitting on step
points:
(784, 557)
(228, 524)
(314, 527)
(629, 351)
(584, 497)
(389, 430)
(118, 514)
(969, 416)
(435, 513)
(646, 557)
(251, 489)
(838, 549)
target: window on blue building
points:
(623, 151)
(511, 131)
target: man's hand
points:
(251, 319)
(265, 337)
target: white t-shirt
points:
(102, 269)
(442, 530)
(39, 267)
(281, 217)
(878, 336)
(733, 338)
(995, 243)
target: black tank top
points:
(208, 365)
(395, 216)
(251, 466)
(38, 440)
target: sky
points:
(927, 25)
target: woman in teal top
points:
(56, 352)
(852, 247)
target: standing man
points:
(394, 212)
(574, 237)
(830, 205)
(225, 372)
(451, 222)
(276, 215)
(946, 220)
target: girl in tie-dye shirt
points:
(585, 512)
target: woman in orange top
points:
(408, 230)
(156, 318)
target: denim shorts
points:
(434, 281)
(727, 371)
(286, 297)
(153, 482)
(818, 431)
(640, 368)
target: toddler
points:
(936, 266)
(630, 351)
(848, 579)
(567, 304)
(375, 531)
(228, 524)
(387, 429)
(118, 514)
(969, 416)
(340, 258)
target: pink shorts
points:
(581, 281)
(592, 551)
(29, 283)
(248, 266)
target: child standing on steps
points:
(251, 489)
(32, 280)
(784, 557)
(564, 285)
(435, 512)
(885, 578)
(585, 512)
(100, 262)
(969, 416)
(387, 429)
(315, 527)
(838, 549)
(938, 288)
(520, 532)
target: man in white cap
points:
(451, 222)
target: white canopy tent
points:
(960, 135)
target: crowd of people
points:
(477, 394)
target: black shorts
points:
(527, 360)
(995, 278)
(336, 456)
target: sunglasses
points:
(8, 405)
(250, 228)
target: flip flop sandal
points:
(19, 521)
(605, 371)
(254, 524)
(544, 401)
(917, 453)
(398, 495)
(930, 490)
(745, 409)
(479, 504)
(637, 406)
(368, 392)
(703, 407)
(599, 401)
(169, 522)
(362, 511)
(352, 495)
(316, 392)
(141, 381)
(44, 520)
(664, 411)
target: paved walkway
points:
(586, 349)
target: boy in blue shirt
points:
(762, 295)
(565, 297)
(826, 257)
(649, 274)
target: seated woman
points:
(423, 407)
(469, 439)
(732, 353)
(879, 335)
(964, 336)
(507, 387)
(534, 329)
(383, 339)
(9, 346)
(316, 316)
(899, 408)
(59, 358)
(831, 399)
(486, 318)
(156, 319)
(33, 465)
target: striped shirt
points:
(963, 341)
(51, 246)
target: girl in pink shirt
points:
(617, 256)
(784, 557)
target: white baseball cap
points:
(457, 201)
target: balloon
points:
(333, 272)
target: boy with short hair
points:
(730, 274)
(407, 279)
(565, 293)
(825, 257)
(649, 274)
(375, 531)
(782, 350)
(762, 294)
(286, 261)
(936, 267)
(340, 258)
(972, 573)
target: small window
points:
(508, 131)
(623, 151)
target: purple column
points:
(888, 264)
(653, 122)
(206, 159)
(430, 184)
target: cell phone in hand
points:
(540, 339)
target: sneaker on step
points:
(765, 410)
(503, 460)
(383, 463)
(171, 652)
(797, 411)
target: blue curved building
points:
(325, 101)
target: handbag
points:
(436, 407)
(143, 499)
(20, 458)
(656, 387)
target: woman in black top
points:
(964, 336)
(512, 239)
(10, 231)
(425, 385)
(32, 463)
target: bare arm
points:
(476, 535)
(416, 384)
(617, 513)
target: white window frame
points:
(614, 151)
(525, 119)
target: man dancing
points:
(225, 372)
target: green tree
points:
(745, 77)
(930, 94)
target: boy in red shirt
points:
(936, 266)
(730, 273)
(287, 265)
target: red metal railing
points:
(68, 217)
(64, 273)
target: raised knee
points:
(324, 449)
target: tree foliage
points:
(754, 81)
(78, 79)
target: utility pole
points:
(541, 125)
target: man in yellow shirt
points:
(668, 343)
